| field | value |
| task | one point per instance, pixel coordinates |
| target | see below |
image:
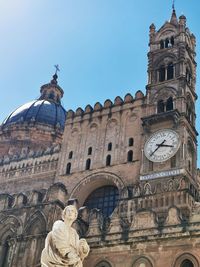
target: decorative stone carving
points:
(173, 217)
(95, 223)
(144, 220)
(63, 246)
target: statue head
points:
(70, 213)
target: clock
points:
(162, 145)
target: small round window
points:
(104, 198)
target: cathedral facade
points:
(129, 166)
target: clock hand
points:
(158, 145)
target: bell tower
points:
(170, 136)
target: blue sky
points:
(100, 45)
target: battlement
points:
(108, 104)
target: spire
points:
(52, 91)
(55, 76)
(173, 19)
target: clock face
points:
(162, 145)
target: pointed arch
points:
(10, 226)
(36, 224)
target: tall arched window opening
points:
(109, 146)
(188, 76)
(170, 71)
(90, 150)
(169, 104)
(88, 163)
(68, 169)
(108, 160)
(162, 44)
(161, 74)
(130, 156)
(160, 106)
(70, 155)
(167, 43)
(130, 141)
(172, 41)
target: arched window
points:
(52, 95)
(130, 141)
(161, 74)
(130, 156)
(108, 160)
(160, 106)
(190, 111)
(167, 43)
(103, 264)
(104, 198)
(169, 104)
(88, 163)
(109, 146)
(191, 159)
(70, 155)
(187, 263)
(186, 260)
(90, 150)
(162, 44)
(68, 169)
(170, 71)
(172, 41)
(188, 76)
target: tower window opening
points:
(108, 160)
(172, 41)
(189, 165)
(70, 155)
(160, 106)
(90, 150)
(88, 163)
(161, 74)
(187, 263)
(169, 104)
(130, 141)
(162, 46)
(51, 95)
(170, 71)
(68, 169)
(188, 76)
(167, 43)
(109, 146)
(130, 156)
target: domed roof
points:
(41, 111)
(45, 110)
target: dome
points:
(38, 111)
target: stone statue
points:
(62, 245)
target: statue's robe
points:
(62, 247)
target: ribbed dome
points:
(41, 111)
